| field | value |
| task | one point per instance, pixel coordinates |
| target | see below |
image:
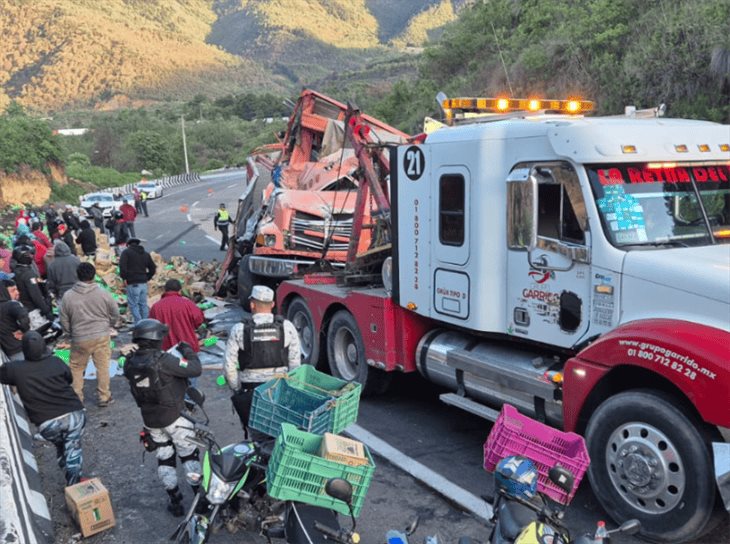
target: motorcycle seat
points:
(513, 517)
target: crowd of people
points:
(55, 298)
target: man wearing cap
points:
(221, 221)
(180, 314)
(44, 386)
(257, 349)
(14, 320)
(87, 313)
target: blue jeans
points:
(65, 433)
(137, 301)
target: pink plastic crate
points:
(515, 434)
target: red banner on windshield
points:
(663, 174)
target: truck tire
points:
(650, 461)
(299, 314)
(346, 355)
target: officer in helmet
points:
(260, 347)
(158, 381)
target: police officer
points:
(158, 381)
(221, 221)
(257, 349)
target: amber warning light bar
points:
(504, 105)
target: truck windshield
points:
(661, 205)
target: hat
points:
(262, 293)
(68, 206)
(133, 241)
(222, 205)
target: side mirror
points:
(630, 527)
(522, 213)
(562, 477)
(195, 395)
(340, 489)
(412, 526)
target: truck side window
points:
(556, 218)
(451, 209)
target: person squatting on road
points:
(221, 221)
(158, 381)
(14, 320)
(257, 349)
(87, 314)
(44, 386)
(136, 268)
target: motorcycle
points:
(306, 524)
(231, 490)
(516, 520)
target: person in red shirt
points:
(129, 214)
(180, 314)
(39, 235)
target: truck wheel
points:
(650, 461)
(346, 355)
(298, 313)
(246, 281)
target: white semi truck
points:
(576, 267)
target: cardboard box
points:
(89, 504)
(343, 450)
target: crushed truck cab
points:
(575, 267)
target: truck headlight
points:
(218, 490)
(269, 240)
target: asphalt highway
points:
(441, 445)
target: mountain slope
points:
(77, 53)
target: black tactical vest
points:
(148, 385)
(263, 345)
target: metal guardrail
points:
(24, 513)
(168, 181)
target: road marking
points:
(468, 501)
(216, 242)
(189, 218)
(232, 185)
(195, 203)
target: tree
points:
(150, 149)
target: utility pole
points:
(185, 145)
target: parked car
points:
(152, 188)
(105, 200)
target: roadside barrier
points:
(24, 514)
(168, 181)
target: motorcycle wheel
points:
(650, 461)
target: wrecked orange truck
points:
(300, 197)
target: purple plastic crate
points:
(515, 434)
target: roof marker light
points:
(704, 148)
(725, 147)
(573, 106)
(533, 105)
(502, 104)
(681, 148)
(628, 149)
(658, 165)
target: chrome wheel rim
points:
(303, 325)
(345, 352)
(645, 468)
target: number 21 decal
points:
(414, 162)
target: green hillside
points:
(130, 53)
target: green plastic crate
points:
(306, 398)
(297, 472)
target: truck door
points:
(548, 262)
(450, 241)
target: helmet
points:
(24, 253)
(516, 476)
(58, 221)
(149, 329)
